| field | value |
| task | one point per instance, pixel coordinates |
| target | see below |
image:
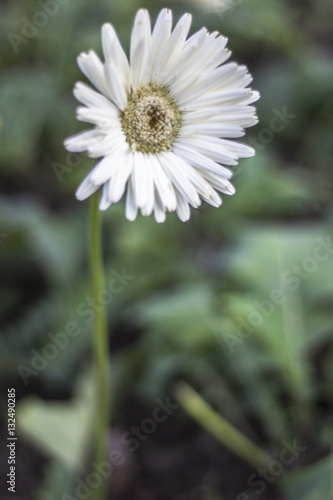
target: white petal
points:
(141, 30)
(107, 145)
(185, 59)
(184, 63)
(219, 58)
(215, 50)
(241, 120)
(113, 52)
(109, 165)
(105, 202)
(240, 79)
(211, 113)
(213, 198)
(150, 189)
(80, 142)
(253, 96)
(172, 166)
(118, 182)
(243, 116)
(86, 188)
(93, 99)
(115, 85)
(226, 77)
(220, 97)
(209, 81)
(131, 210)
(228, 96)
(161, 33)
(211, 147)
(98, 117)
(211, 50)
(202, 162)
(143, 185)
(174, 44)
(214, 129)
(219, 183)
(199, 183)
(139, 179)
(163, 185)
(159, 212)
(92, 67)
(239, 149)
(183, 208)
(234, 148)
(140, 64)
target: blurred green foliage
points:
(187, 312)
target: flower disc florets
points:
(152, 119)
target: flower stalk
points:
(101, 342)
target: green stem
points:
(219, 427)
(100, 340)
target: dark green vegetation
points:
(238, 302)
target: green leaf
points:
(311, 483)
(61, 430)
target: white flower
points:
(165, 121)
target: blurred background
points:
(237, 302)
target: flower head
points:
(164, 121)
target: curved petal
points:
(98, 116)
(92, 67)
(131, 210)
(159, 212)
(202, 162)
(172, 166)
(163, 185)
(109, 165)
(139, 179)
(183, 208)
(186, 58)
(118, 182)
(115, 85)
(86, 188)
(161, 34)
(148, 207)
(141, 31)
(79, 143)
(113, 52)
(105, 202)
(140, 64)
(89, 97)
(174, 44)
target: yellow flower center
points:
(152, 120)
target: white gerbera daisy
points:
(164, 123)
